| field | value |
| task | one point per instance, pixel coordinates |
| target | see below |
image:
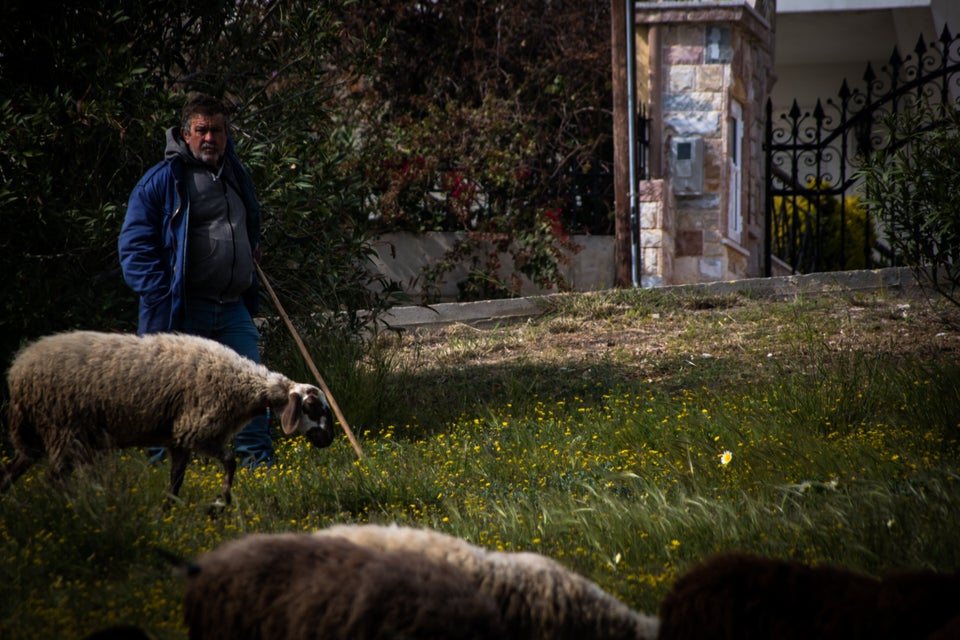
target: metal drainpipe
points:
(635, 256)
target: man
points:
(188, 245)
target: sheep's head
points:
(308, 412)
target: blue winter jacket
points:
(153, 238)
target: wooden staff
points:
(313, 367)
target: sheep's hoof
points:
(216, 507)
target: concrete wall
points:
(403, 257)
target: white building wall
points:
(820, 43)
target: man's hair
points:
(204, 105)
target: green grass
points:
(594, 434)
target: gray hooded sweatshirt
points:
(219, 265)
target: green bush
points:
(497, 130)
(913, 188)
(331, 101)
(88, 91)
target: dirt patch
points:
(596, 329)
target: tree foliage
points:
(354, 117)
(87, 91)
(913, 187)
(76, 113)
(493, 119)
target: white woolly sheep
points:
(537, 596)
(302, 587)
(75, 393)
(335, 584)
(742, 596)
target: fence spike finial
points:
(945, 36)
(921, 48)
(844, 92)
(795, 112)
(896, 61)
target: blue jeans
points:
(230, 324)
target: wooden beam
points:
(621, 144)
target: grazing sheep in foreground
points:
(537, 596)
(75, 393)
(743, 596)
(302, 587)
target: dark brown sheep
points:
(744, 597)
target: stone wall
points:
(709, 56)
(695, 60)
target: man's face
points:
(207, 138)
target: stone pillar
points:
(709, 69)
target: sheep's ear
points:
(292, 413)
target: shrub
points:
(913, 187)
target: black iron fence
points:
(814, 220)
(587, 196)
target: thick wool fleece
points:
(303, 587)
(75, 393)
(537, 596)
(118, 390)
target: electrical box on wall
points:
(687, 165)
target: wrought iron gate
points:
(813, 221)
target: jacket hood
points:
(177, 147)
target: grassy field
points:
(626, 434)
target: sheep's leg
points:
(179, 458)
(226, 457)
(229, 468)
(14, 470)
(59, 468)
